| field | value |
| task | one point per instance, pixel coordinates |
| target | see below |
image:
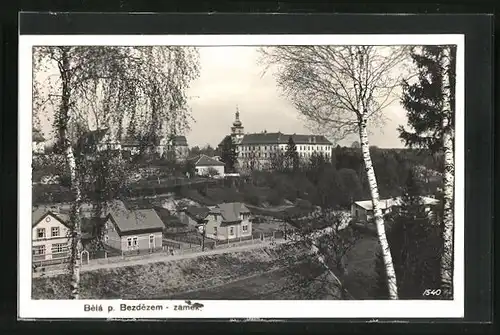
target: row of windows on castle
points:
(272, 155)
(257, 147)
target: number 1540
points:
(430, 292)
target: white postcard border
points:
(55, 309)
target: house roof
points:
(230, 211)
(39, 212)
(204, 160)
(180, 140)
(169, 220)
(37, 136)
(280, 138)
(388, 203)
(94, 136)
(130, 142)
(129, 221)
(197, 213)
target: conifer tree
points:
(415, 247)
(292, 157)
(430, 106)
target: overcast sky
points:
(230, 77)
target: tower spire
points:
(237, 122)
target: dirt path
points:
(160, 258)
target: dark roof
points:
(280, 138)
(93, 136)
(180, 140)
(37, 136)
(230, 211)
(197, 213)
(204, 160)
(169, 220)
(39, 212)
(128, 221)
(130, 142)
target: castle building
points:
(257, 150)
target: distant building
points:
(203, 164)
(226, 221)
(257, 150)
(133, 231)
(362, 211)
(49, 236)
(177, 146)
(98, 140)
(38, 142)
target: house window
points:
(134, 242)
(151, 239)
(245, 228)
(231, 231)
(55, 232)
(40, 232)
(129, 242)
(39, 250)
(59, 247)
(215, 231)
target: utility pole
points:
(202, 230)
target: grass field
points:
(361, 276)
(256, 274)
(290, 283)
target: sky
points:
(230, 78)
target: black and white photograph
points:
(205, 176)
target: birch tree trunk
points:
(63, 117)
(377, 212)
(448, 181)
(76, 233)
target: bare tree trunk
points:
(75, 216)
(63, 118)
(377, 212)
(448, 187)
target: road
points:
(160, 258)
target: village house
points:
(226, 221)
(38, 142)
(49, 236)
(207, 166)
(362, 211)
(98, 140)
(132, 231)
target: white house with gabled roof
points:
(362, 211)
(204, 165)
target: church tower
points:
(237, 130)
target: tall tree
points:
(340, 89)
(430, 105)
(292, 157)
(228, 152)
(144, 85)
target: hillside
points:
(257, 274)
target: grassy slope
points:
(243, 275)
